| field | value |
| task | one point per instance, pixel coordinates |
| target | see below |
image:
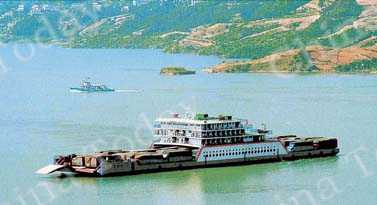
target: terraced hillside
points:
(327, 44)
(270, 36)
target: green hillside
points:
(359, 66)
(233, 29)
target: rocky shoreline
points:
(176, 71)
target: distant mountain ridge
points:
(272, 36)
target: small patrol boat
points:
(87, 86)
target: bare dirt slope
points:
(323, 58)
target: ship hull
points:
(161, 157)
(106, 169)
(91, 90)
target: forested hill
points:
(273, 35)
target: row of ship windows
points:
(232, 140)
(219, 153)
(117, 166)
(199, 134)
(216, 126)
(230, 125)
(223, 133)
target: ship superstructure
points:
(217, 138)
(88, 86)
(198, 141)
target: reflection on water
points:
(196, 185)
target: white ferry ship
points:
(197, 142)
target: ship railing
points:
(173, 141)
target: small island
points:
(176, 71)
